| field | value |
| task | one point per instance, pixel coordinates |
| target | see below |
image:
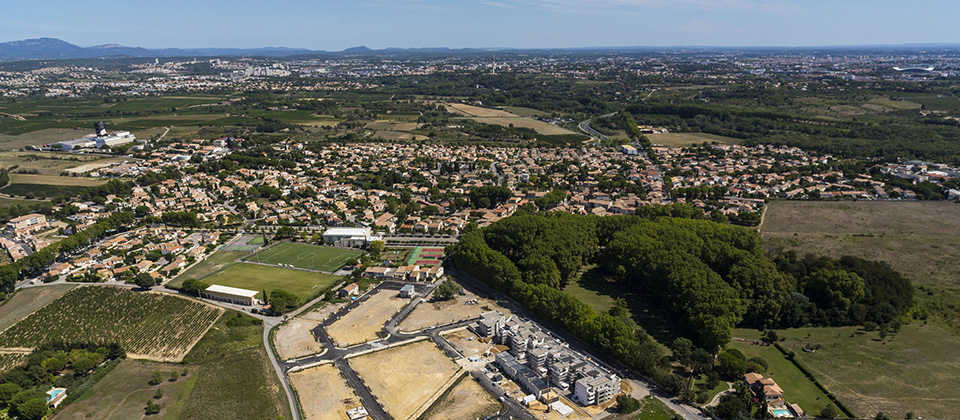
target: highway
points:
(585, 127)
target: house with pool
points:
(766, 390)
(55, 396)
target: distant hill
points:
(52, 48)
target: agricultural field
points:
(323, 393)
(426, 255)
(52, 164)
(148, 325)
(911, 371)
(797, 389)
(447, 312)
(686, 139)
(293, 339)
(9, 360)
(304, 284)
(406, 379)
(36, 138)
(525, 112)
(911, 236)
(465, 400)
(40, 190)
(27, 301)
(504, 118)
(122, 394)
(55, 180)
(364, 322)
(308, 257)
(235, 377)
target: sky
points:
(336, 25)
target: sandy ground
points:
(322, 313)
(294, 339)
(542, 411)
(406, 378)
(324, 395)
(466, 400)
(364, 322)
(447, 312)
(462, 342)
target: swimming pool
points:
(782, 413)
(54, 393)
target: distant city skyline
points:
(483, 23)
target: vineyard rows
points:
(148, 325)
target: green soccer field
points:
(309, 257)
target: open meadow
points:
(363, 323)
(40, 137)
(323, 393)
(465, 400)
(293, 339)
(686, 139)
(265, 277)
(305, 256)
(123, 393)
(917, 238)
(406, 380)
(911, 371)
(504, 118)
(148, 325)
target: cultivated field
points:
(122, 394)
(914, 237)
(912, 371)
(265, 277)
(504, 118)
(149, 326)
(9, 360)
(323, 393)
(27, 301)
(37, 138)
(55, 180)
(406, 379)
(364, 322)
(308, 257)
(446, 312)
(465, 400)
(685, 139)
(52, 163)
(293, 339)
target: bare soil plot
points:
(466, 400)
(446, 312)
(476, 111)
(46, 163)
(406, 379)
(461, 340)
(39, 137)
(397, 135)
(55, 180)
(685, 139)
(364, 322)
(322, 313)
(27, 301)
(294, 339)
(323, 393)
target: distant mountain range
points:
(53, 48)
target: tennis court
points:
(426, 255)
(305, 256)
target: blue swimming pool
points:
(53, 393)
(782, 413)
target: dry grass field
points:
(28, 301)
(446, 312)
(504, 118)
(919, 239)
(465, 400)
(50, 163)
(323, 393)
(294, 339)
(406, 379)
(36, 138)
(686, 139)
(364, 322)
(55, 180)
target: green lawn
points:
(912, 371)
(650, 409)
(701, 385)
(599, 302)
(216, 262)
(797, 388)
(262, 277)
(310, 257)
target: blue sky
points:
(335, 25)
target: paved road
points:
(585, 127)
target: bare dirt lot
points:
(324, 395)
(462, 342)
(364, 322)
(294, 339)
(446, 312)
(406, 379)
(466, 400)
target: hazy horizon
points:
(520, 24)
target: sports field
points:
(264, 277)
(426, 255)
(308, 257)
